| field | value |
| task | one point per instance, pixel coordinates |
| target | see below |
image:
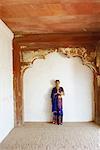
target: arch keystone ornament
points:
(27, 59)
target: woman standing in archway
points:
(57, 104)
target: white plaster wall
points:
(76, 79)
(6, 81)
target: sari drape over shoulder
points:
(57, 105)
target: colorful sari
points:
(57, 106)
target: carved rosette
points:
(28, 57)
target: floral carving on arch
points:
(27, 58)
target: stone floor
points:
(46, 136)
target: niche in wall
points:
(76, 79)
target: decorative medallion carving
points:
(28, 57)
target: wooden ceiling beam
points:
(58, 37)
(40, 45)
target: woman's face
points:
(57, 83)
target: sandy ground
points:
(46, 136)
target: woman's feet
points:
(54, 122)
(60, 123)
(57, 123)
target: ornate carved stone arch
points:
(27, 58)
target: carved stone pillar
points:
(17, 85)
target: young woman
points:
(57, 104)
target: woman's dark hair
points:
(57, 81)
